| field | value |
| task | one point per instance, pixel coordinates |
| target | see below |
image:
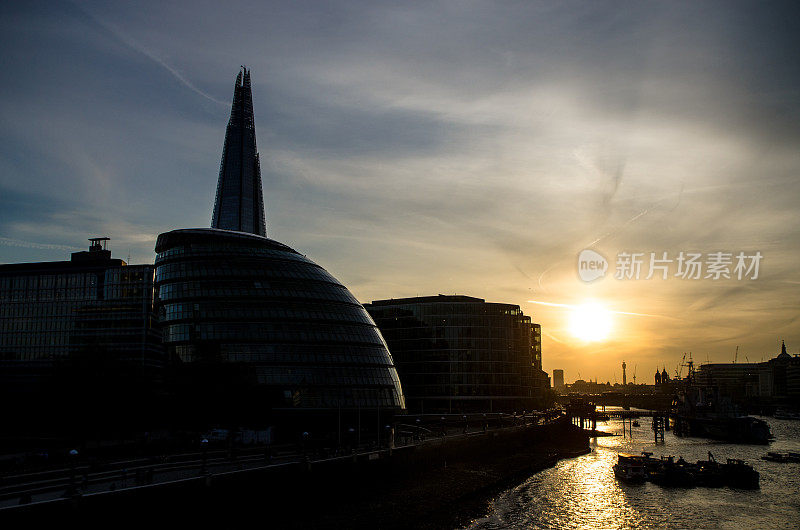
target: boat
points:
(630, 469)
(671, 474)
(782, 457)
(737, 429)
(776, 457)
(650, 463)
(740, 475)
(702, 413)
(708, 473)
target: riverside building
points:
(462, 354)
(261, 334)
(78, 338)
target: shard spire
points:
(239, 204)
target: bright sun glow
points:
(590, 322)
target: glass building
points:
(262, 331)
(259, 333)
(79, 333)
(239, 204)
(462, 354)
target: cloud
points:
(135, 45)
(450, 147)
(6, 241)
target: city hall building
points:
(241, 330)
(259, 331)
(462, 354)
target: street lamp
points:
(204, 449)
(351, 439)
(304, 444)
(73, 456)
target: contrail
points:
(133, 44)
(552, 337)
(629, 221)
(7, 241)
(550, 304)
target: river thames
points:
(582, 492)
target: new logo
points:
(591, 265)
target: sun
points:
(590, 322)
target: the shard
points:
(239, 204)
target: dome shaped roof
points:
(295, 335)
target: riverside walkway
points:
(82, 479)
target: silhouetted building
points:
(239, 204)
(262, 329)
(459, 353)
(558, 378)
(263, 335)
(536, 346)
(774, 383)
(78, 338)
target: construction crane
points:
(679, 368)
(690, 365)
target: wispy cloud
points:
(451, 147)
(137, 46)
(9, 242)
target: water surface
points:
(583, 492)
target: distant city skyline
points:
(447, 148)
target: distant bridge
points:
(634, 413)
(639, 401)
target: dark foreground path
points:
(440, 483)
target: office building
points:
(773, 383)
(79, 338)
(462, 354)
(558, 378)
(239, 204)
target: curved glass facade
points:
(264, 327)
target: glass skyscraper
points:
(239, 204)
(261, 333)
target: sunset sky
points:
(436, 147)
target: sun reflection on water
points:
(582, 492)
